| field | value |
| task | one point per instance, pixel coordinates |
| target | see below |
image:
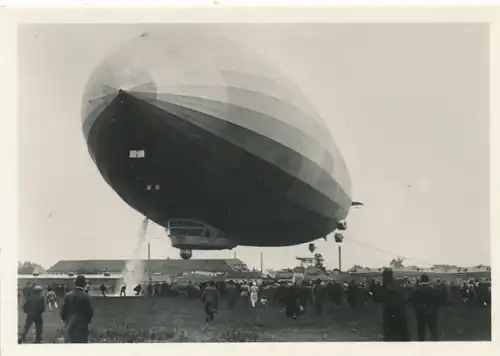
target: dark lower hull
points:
(202, 176)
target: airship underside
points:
(218, 165)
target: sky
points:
(407, 105)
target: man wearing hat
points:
(34, 307)
(210, 298)
(426, 302)
(395, 321)
(77, 313)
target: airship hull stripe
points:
(264, 148)
(224, 137)
(273, 106)
(261, 123)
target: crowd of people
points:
(425, 297)
(393, 295)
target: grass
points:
(135, 320)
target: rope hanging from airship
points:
(391, 253)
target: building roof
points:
(236, 264)
(167, 267)
(442, 268)
(56, 277)
(242, 275)
(39, 270)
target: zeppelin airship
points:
(207, 139)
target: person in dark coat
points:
(232, 294)
(280, 295)
(77, 313)
(394, 317)
(138, 290)
(426, 302)
(353, 294)
(464, 292)
(482, 293)
(337, 294)
(103, 290)
(304, 295)
(307, 296)
(291, 299)
(488, 296)
(364, 295)
(319, 293)
(34, 307)
(375, 289)
(210, 298)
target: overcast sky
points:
(407, 105)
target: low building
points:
(45, 280)
(169, 267)
(442, 272)
(110, 272)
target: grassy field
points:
(180, 320)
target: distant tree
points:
(27, 267)
(270, 272)
(80, 270)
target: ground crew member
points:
(353, 294)
(34, 307)
(291, 299)
(103, 289)
(232, 295)
(77, 313)
(319, 293)
(337, 294)
(426, 302)
(395, 321)
(210, 298)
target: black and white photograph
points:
(265, 182)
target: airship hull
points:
(189, 172)
(244, 154)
